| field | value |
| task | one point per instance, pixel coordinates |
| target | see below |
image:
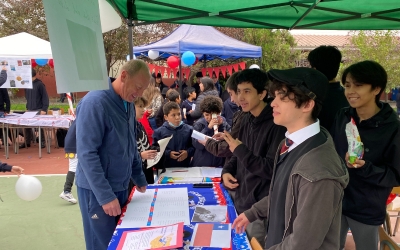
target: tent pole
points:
(180, 78)
(204, 61)
(130, 35)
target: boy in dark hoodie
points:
(179, 149)
(305, 198)
(188, 105)
(209, 106)
(249, 171)
(374, 175)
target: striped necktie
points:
(285, 147)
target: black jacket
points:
(4, 167)
(252, 161)
(203, 158)
(37, 98)
(334, 101)
(3, 77)
(4, 97)
(369, 187)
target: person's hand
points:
(112, 208)
(229, 181)
(42, 112)
(240, 223)
(357, 164)
(202, 142)
(220, 120)
(213, 122)
(149, 111)
(183, 155)
(174, 155)
(219, 136)
(233, 143)
(141, 189)
(17, 170)
(190, 111)
(148, 154)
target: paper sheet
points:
(165, 237)
(211, 172)
(167, 206)
(29, 114)
(163, 144)
(199, 136)
(211, 235)
(209, 213)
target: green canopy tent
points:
(271, 14)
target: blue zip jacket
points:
(106, 142)
(181, 140)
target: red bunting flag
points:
(203, 71)
(236, 67)
(229, 67)
(242, 65)
(209, 70)
(187, 72)
(151, 67)
(174, 71)
(168, 72)
(223, 70)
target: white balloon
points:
(254, 66)
(28, 187)
(153, 54)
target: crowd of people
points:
(280, 139)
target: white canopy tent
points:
(25, 45)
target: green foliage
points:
(22, 106)
(381, 46)
(277, 48)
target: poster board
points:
(19, 72)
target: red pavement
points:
(28, 159)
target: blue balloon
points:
(41, 62)
(188, 58)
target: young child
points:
(187, 105)
(373, 176)
(172, 96)
(305, 197)
(209, 106)
(71, 155)
(142, 139)
(179, 149)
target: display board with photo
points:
(19, 72)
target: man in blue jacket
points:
(108, 155)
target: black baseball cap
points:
(199, 74)
(312, 82)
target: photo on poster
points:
(210, 213)
(26, 62)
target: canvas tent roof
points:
(25, 45)
(272, 14)
(202, 40)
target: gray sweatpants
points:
(365, 236)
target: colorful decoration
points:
(51, 63)
(33, 63)
(41, 62)
(188, 58)
(173, 61)
(153, 54)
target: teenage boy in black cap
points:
(304, 204)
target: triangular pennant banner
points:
(223, 70)
(242, 65)
(174, 71)
(168, 72)
(216, 70)
(229, 67)
(187, 73)
(151, 67)
(236, 67)
(209, 70)
(157, 70)
(203, 71)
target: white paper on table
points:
(183, 172)
(171, 206)
(163, 144)
(163, 237)
(209, 213)
(211, 172)
(29, 114)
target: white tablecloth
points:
(63, 121)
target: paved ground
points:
(49, 222)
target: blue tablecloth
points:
(198, 196)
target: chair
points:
(386, 243)
(255, 245)
(395, 190)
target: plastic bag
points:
(356, 147)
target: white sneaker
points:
(68, 197)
